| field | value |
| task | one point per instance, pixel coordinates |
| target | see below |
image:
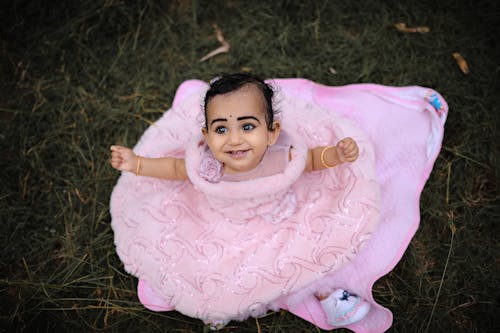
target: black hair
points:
(233, 82)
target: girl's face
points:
(236, 132)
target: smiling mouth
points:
(237, 154)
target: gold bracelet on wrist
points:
(138, 167)
(323, 157)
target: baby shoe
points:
(217, 326)
(343, 309)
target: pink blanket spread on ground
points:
(338, 228)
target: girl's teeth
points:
(238, 152)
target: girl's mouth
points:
(237, 154)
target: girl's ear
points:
(274, 133)
(205, 132)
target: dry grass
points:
(78, 76)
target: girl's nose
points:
(234, 138)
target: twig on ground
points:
(401, 26)
(258, 325)
(453, 229)
(224, 48)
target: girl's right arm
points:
(124, 159)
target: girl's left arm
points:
(346, 150)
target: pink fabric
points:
(168, 235)
(150, 299)
(210, 169)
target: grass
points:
(77, 76)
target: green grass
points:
(77, 76)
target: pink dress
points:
(233, 248)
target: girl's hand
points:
(347, 150)
(123, 158)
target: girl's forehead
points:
(246, 100)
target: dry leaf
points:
(464, 67)
(129, 97)
(224, 48)
(332, 70)
(401, 26)
(423, 29)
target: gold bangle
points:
(138, 167)
(323, 157)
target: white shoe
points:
(343, 309)
(217, 326)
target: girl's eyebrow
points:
(217, 119)
(248, 117)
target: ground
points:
(78, 76)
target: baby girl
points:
(241, 136)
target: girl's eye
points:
(248, 127)
(221, 130)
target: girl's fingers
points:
(349, 144)
(116, 162)
(351, 155)
(117, 148)
(349, 151)
(353, 151)
(116, 158)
